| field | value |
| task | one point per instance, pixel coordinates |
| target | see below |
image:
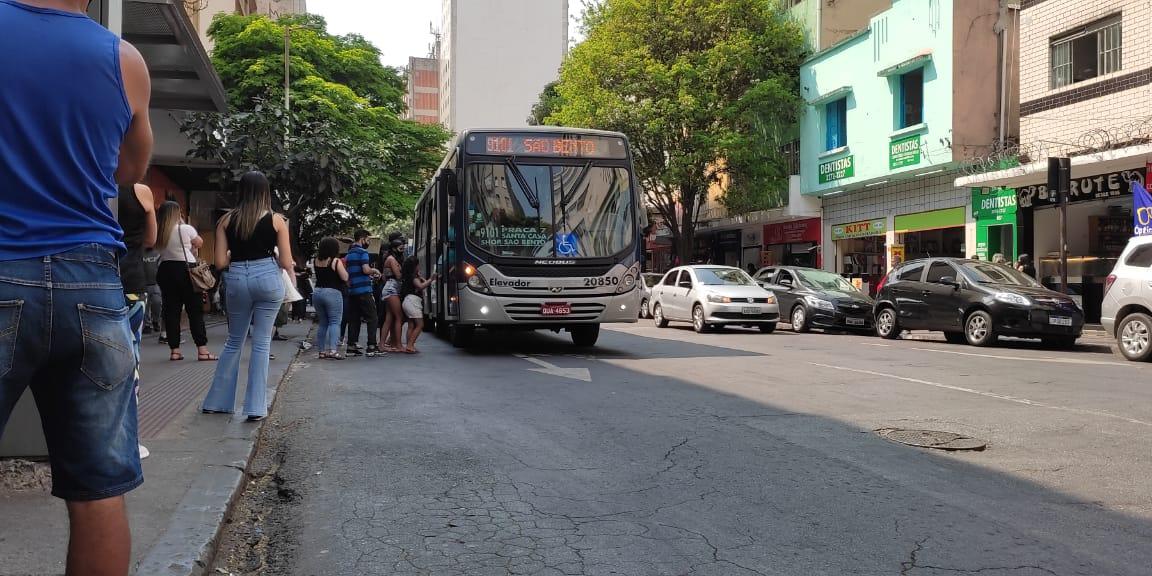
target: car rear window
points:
(1140, 257)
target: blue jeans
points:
(329, 304)
(63, 316)
(255, 292)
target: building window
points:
(836, 124)
(1092, 51)
(911, 98)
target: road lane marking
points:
(1004, 397)
(1046, 359)
(877, 345)
(581, 374)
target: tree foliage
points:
(706, 90)
(342, 157)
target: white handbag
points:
(291, 294)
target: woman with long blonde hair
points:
(178, 243)
(252, 247)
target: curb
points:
(188, 545)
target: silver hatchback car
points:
(1127, 309)
(712, 296)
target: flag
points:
(1141, 210)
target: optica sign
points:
(795, 232)
(860, 229)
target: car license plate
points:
(750, 311)
(855, 321)
(555, 309)
(1059, 321)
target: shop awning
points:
(182, 74)
(1082, 166)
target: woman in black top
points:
(247, 240)
(136, 213)
(328, 298)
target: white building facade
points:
(496, 56)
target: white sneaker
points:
(144, 453)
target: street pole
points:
(1059, 178)
(287, 82)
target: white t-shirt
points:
(178, 248)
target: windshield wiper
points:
(529, 192)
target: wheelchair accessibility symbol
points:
(566, 246)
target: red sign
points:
(796, 232)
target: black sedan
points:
(974, 302)
(813, 298)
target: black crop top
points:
(259, 246)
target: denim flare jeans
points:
(329, 303)
(255, 292)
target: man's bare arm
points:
(136, 149)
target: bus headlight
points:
(476, 280)
(628, 282)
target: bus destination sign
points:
(546, 145)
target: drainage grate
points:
(934, 439)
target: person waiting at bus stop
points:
(362, 307)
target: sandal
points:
(175, 357)
(335, 357)
(325, 356)
(411, 351)
(206, 357)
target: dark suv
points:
(974, 302)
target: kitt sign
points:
(838, 169)
(875, 227)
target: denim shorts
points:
(64, 332)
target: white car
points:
(1126, 312)
(713, 296)
(649, 280)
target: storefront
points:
(861, 249)
(1099, 226)
(794, 243)
(937, 233)
(994, 210)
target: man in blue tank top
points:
(73, 125)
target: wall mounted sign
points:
(1099, 187)
(838, 169)
(796, 232)
(904, 152)
(875, 227)
(993, 203)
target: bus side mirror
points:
(448, 182)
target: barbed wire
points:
(1008, 155)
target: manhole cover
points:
(934, 439)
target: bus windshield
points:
(544, 211)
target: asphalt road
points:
(665, 452)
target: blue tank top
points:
(63, 116)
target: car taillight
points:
(1109, 282)
(883, 281)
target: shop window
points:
(1140, 257)
(670, 279)
(836, 124)
(911, 273)
(911, 98)
(940, 270)
(1094, 50)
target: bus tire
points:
(585, 336)
(460, 336)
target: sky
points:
(398, 27)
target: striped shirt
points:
(358, 281)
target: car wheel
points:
(1060, 342)
(955, 337)
(644, 308)
(658, 316)
(768, 328)
(698, 323)
(1134, 335)
(978, 329)
(887, 325)
(800, 319)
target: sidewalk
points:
(197, 463)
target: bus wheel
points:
(460, 336)
(441, 327)
(585, 336)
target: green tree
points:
(706, 90)
(342, 157)
(549, 103)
